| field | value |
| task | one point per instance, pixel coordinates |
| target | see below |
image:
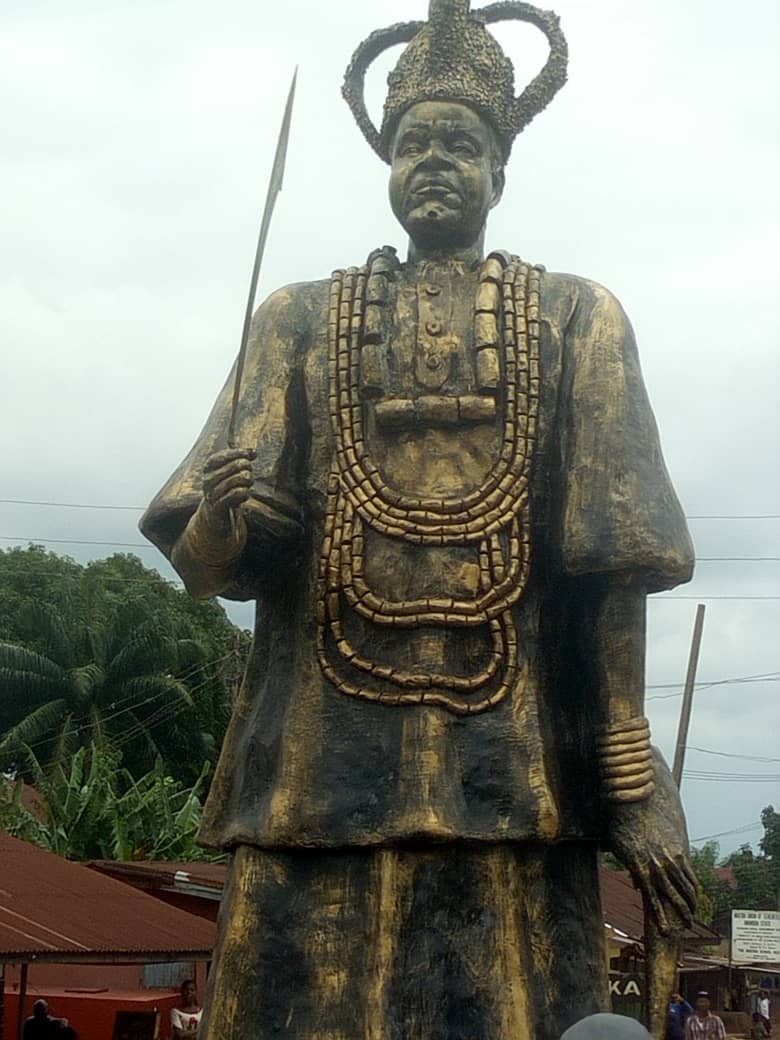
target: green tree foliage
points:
(745, 880)
(714, 891)
(111, 653)
(91, 808)
(757, 875)
(770, 846)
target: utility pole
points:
(687, 704)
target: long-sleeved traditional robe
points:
(406, 871)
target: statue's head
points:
(606, 1027)
(40, 1009)
(446, 173)
(703, 1003)
(451, 114)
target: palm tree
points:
(123, 679)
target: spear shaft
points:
(274, 187)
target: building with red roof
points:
(87, 943)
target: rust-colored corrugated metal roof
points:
(52, 909)
(622, 907)
(164, 874)
(621, 903)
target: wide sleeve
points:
(619, 511)
(272, 418)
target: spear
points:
(274, 187)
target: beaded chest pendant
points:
(493, 518)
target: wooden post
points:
(687, 705)
(22, 1001)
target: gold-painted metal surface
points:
(450, 500)
(354, 924)
(360, 497)
(453, 56)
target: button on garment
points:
(438, 341)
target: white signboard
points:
(755, 935)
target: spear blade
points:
(274, 187)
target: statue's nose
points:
(436, 156)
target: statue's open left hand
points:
(650, 838)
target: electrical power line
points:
(191, 673)
(673, 599)
(166, 713)
(755, 677)
(68, 505)
(140, 509)
(744, 829)
(75, 541)
(732, 754)
(770, 677)
(732, 778)
(147, 545)
(737, 559)
(727, 775)
(85, 572)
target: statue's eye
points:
(463, 147)
(411, 148)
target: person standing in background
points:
(185, 1018)
(704, 1025)
(758, 1031)
(679, 1013)
(764, 1011)
(41, 1025)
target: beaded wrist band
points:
(213, 552)
(626, 760)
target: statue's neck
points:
(470, 256)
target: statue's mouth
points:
(434, 190)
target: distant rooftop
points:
(622, 906)
(55, 910)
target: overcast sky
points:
(136, 144)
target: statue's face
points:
(444, 177)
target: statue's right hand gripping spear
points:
(274, 187)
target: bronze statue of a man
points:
(450, 506)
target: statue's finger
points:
(220, 458)
(226, 469)
(212, 481)
(689, 872)
(237, 480)
(685, 885)
(661, 873)
(236, 498)
(657, 908)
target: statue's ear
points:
(499, 182)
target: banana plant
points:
(90, 807)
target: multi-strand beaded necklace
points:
(495, 516)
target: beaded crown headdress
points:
(454, 57)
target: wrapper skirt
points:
(450, 942)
